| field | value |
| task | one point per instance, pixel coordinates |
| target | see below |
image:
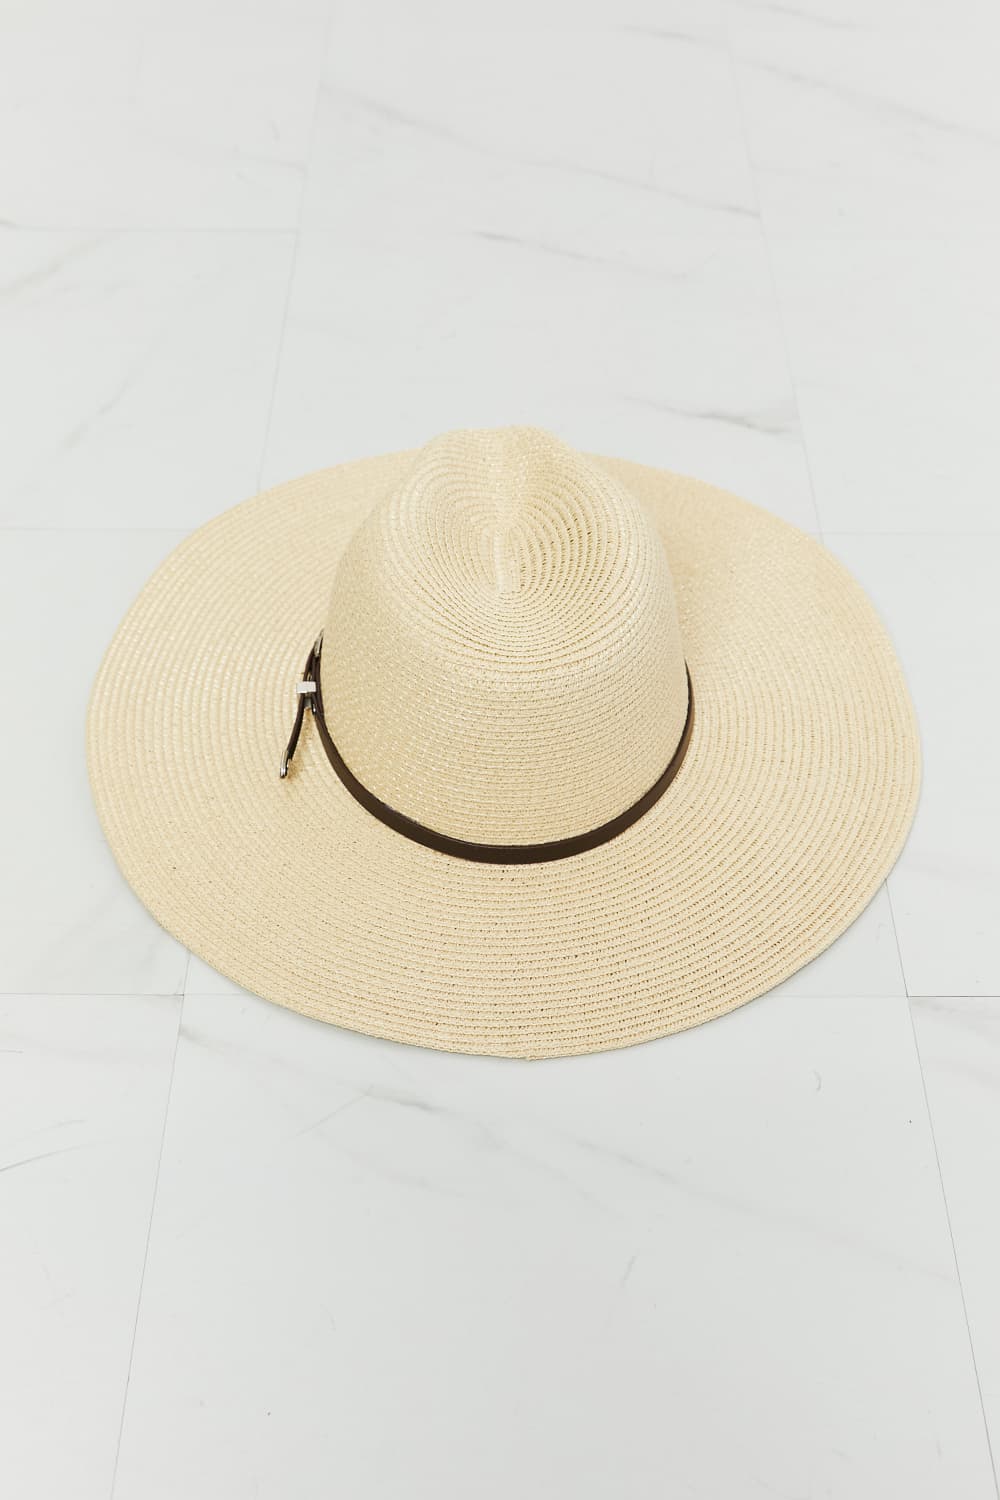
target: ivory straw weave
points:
(505, 630)
(502, 654)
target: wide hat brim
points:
(792, 803)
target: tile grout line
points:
(149, 1236)
(941, 1184)
(293, 267)
(187, 967)
(789, 366)
(899, 946)
(954, 1249)
(944, 1192)
(892, 915)
(184, 980)
(769, 262)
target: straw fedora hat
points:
(499, 748)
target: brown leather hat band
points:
(493, 854)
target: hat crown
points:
(502, 659)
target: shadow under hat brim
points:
(792, 804)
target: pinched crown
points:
(502, 659)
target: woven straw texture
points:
(502, 650)
(505, 630)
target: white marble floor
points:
(245, 1255)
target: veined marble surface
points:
(246, 1255)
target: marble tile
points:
(202, 979)
(892, 17)
(856, 127)
(68, 921)
(938, 597)
(141, 368)
(684, 18)
(593, 138)
(83, 1090)
(672, 355)
(892, 345)
(716, 1265)
(158, 118)
(36, 17)
(959, 1044)
(687, 17)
